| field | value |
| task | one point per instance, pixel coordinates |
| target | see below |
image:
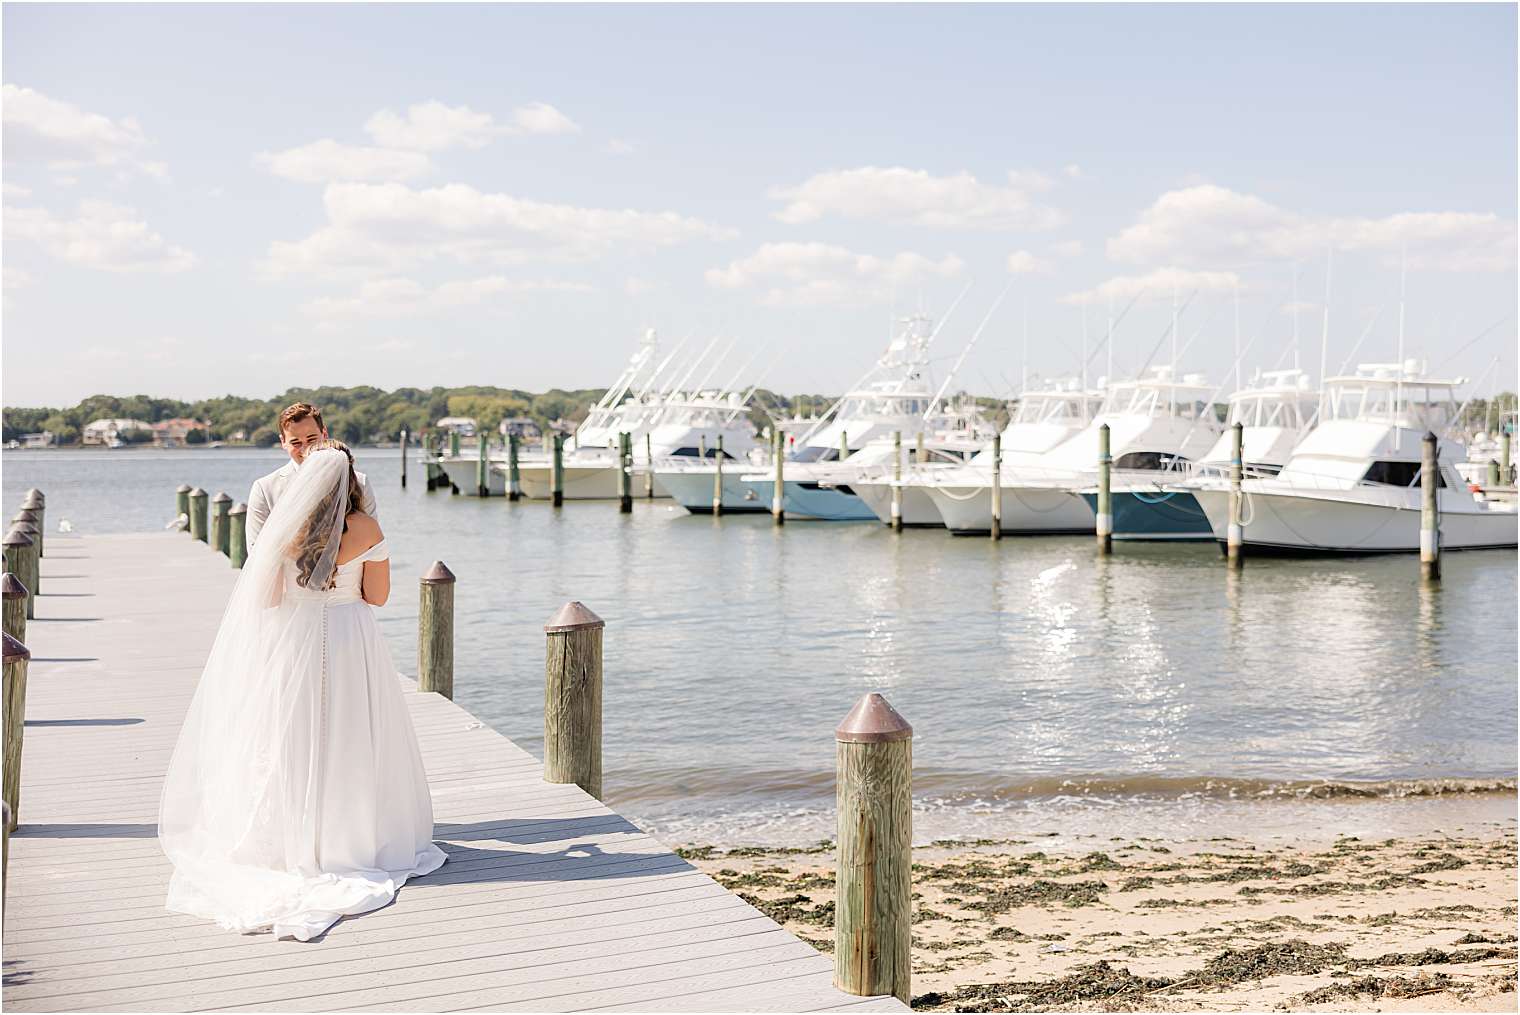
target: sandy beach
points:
(1422, 922)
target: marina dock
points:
(550, 901)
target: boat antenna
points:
(1465, 345)
(1118, 321)
(1398, 382)
(1237, 334)
(1085, 357)
(1295, 315)
(965, 352)
(946, 319)
(1456, 419)
(1157, 347)
(1108, 340)
(1324, 335)
(1024, 351)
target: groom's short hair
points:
(299, 411)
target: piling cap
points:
(15, 650)
(182, 488)
(11, 587)
(33, 500)
(873, 720)
(27, 526)
(15, 537)
(34, 492)
(25, 514)
(573, 616)
(239, 509)
(438, 574)
(221, 498)
(197, 492)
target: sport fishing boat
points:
(1274, 413)
(1153, 421)
(1043, 419)
(1352, 486)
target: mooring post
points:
(237, 535)
(198, 514)
(649, 461)
(31, 523)
(221, 506)
(18, 552)
(625, 473)
(14, 591)
(1234, 540)
(1493, 473)
(16, 656)
(31, 573)
(897, 481)
(435, 631)
(514, 491)
(557, 472)
(1430, 511)
(702, 446)
(918, 454)
(1105, 520)
(997, 485)
(873, 878)
(482, 465)
(35, 503)
(404, 436)
(718, 480)
(182, 506)
(1506, 474)
(844, 445)
(778, 494)
(573, 698)
(454, 443)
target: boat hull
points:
(581, 482)
(807, 500)
(1156, 516)
(1306, 524)
(967, 511)
(693, 490)
(462, 473)
(918, 510)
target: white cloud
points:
(433, 127)
(1159, 283)
(617, 146)
(1022, 262)
(15, 278)
(814, 273)
(105, 236)
(1073, 172)
(63, 136)
(327, 160)
(1070, 248)
(635, 286)
(15, 190)
(1210, 225)
(398, 297)
(915, 197)
(391, 227)
(542, 118)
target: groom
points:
(301, 428)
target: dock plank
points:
(550, 901)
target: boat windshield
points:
(1412, 404)
(815, 453)
(1289, 412)
(1051, 408)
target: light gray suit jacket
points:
(267, 489)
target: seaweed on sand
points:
(1040, 892)
(1096, 982)
(1377, 986)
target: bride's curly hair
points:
(311, 541)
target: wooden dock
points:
(549, 902)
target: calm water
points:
(1048, 689)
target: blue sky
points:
(203, 200)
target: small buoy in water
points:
(64, 525)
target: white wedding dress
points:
(296, 794)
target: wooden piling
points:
(221, 506)
(1430, 511)
(918, 454)
(557, 472)
(1234, 540)
(1105, 520)
(625, 473)
(482, 465)
(514, 490)
(873, 909)
(182, 506)
(198, 507)
(718, 480)
(997, 486)
(435, 631)
(237, 535)
(404, 436)
(32, 569)
(16, 657)
(32, 526)
(14, 610)
(34, 502)
(573, 698)
(453, 443)
(778, 494)
(649, 461)
(18, 561)
(1506, 471)
(844, 445)
(1493, 473)
(897, 493)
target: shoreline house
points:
(464, 426)
(522, 426)
(116, 432)
(174, 433)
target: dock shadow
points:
(65, 659)
(30, 723)
(578, 860)
(85, 831)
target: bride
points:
(296, 794)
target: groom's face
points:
(301, 436)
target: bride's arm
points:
(375, 583)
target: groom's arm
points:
(258, 511)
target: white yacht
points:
(1153, 422)
(1275, 413)
(1043, 418)
(896, 395)
(1352, 486)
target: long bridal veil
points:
(241, 796)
